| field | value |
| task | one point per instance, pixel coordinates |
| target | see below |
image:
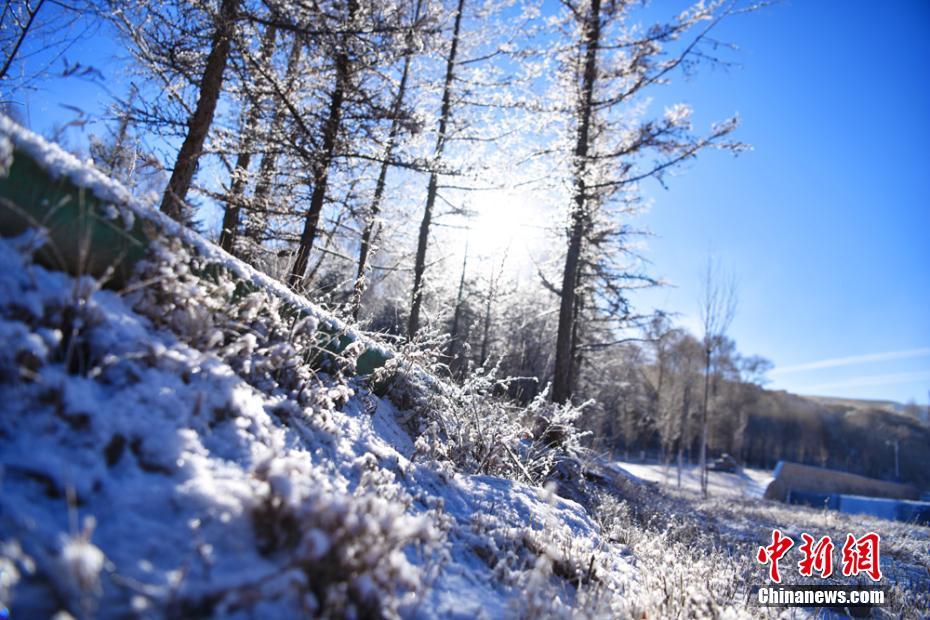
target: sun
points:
(505, 224)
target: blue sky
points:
(826, 223)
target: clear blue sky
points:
(826, 222)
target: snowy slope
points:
(750, 483)
(146, 477)
(172, 451)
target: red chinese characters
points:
(817, 557)
(860, 555)
(774, 552)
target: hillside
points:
(911, 410)
(179, 444)
(854, 436)
(857, 403)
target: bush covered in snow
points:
(197, 431)
(470, 427)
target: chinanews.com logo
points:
(858, 556)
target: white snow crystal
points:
(678, 115)
(82, 561)
(6, 155)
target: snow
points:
(750, 483)
(678, 115)
(198, 491)
(82, 561)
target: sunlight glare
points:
(505, 222)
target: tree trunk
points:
(199, 124)
(457, 313)
(413, 322)
(683, 426)
(561, 383)
(662, 420)
(373, 210)
(577, 354)
(321, 167)
(234, 197)
(256, 222)
(703, 453)
(486, 331)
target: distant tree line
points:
(656, 413)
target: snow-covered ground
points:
(750, 483)
(140, 473)
(152, 472)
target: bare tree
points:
(330, 133)
(413, 322)
(35, 36)
(688, 358)
(660, 335)
(122, 155)
(717, 308)
(234, 199)
(454, 333)
(364, 42)
(20, 18)
(371, 217)
(493, 287)
(260, 205)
